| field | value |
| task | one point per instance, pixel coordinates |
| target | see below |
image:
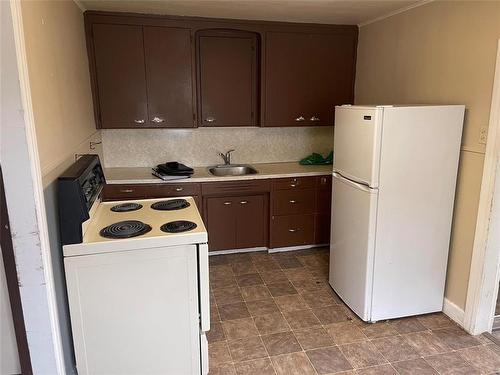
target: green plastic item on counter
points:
(317, 159)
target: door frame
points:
(485, 267)
(24, 190)
(11, 277)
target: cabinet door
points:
(221, 223)
(307, 74)
(287, 81)
(251, 226)
(169, 77)
(227, 78)
(331, 75)
(121, 79)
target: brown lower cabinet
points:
(272, 213)
(236, 222)
(300, 211)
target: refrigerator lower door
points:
(352, 243)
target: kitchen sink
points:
(232, 170)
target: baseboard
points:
(270, 251)
(235, 251)
(295, 248)
(454, 312)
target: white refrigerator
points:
(394, 176)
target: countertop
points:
(142, 175)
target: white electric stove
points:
(138, 289)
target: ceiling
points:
(350, 12)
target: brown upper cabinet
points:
(307, 74)
(152, 71)
(227, 77)
(169, 76)
(143, 76)
(120, 76)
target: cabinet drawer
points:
(290, 202)
(123, 192)
(235, 187)
(175, 190)
(294, 183)
(292, 230)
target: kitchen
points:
(269, 140)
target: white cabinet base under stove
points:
(131, 289)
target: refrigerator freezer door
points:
(357, 138)
(352, 243)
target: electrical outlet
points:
(483, 135)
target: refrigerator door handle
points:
(204, 287)
(357, 185)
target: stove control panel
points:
(79, 187)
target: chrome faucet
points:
(226, 157)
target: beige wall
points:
(59, 81)
(441, 52)
(64, 121)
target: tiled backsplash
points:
(199, 147)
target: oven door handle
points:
(204, 287)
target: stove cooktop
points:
(126, 207)
(118, 230)
(125, 229)
(178, 226)
(170, 205)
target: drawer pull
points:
(292, 201)
(179, 189)
(157, 120)
(300, 119)
(293, 230)
(141, 121)
(227, 203)
(314, 119)
(243, 202)
(126, 190)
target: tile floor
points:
(276, 314)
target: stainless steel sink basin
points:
(232, 170)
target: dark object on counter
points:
(172, 170)
(317, 159)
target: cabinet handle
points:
(243, 202)
(179, 189)
(210, 119)
(314, 119)
(126, 190)
(141, 121)
(294, 183)
(300, 119)
(158, 120)
(227, 203)
(293, 201)
(293, 230)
